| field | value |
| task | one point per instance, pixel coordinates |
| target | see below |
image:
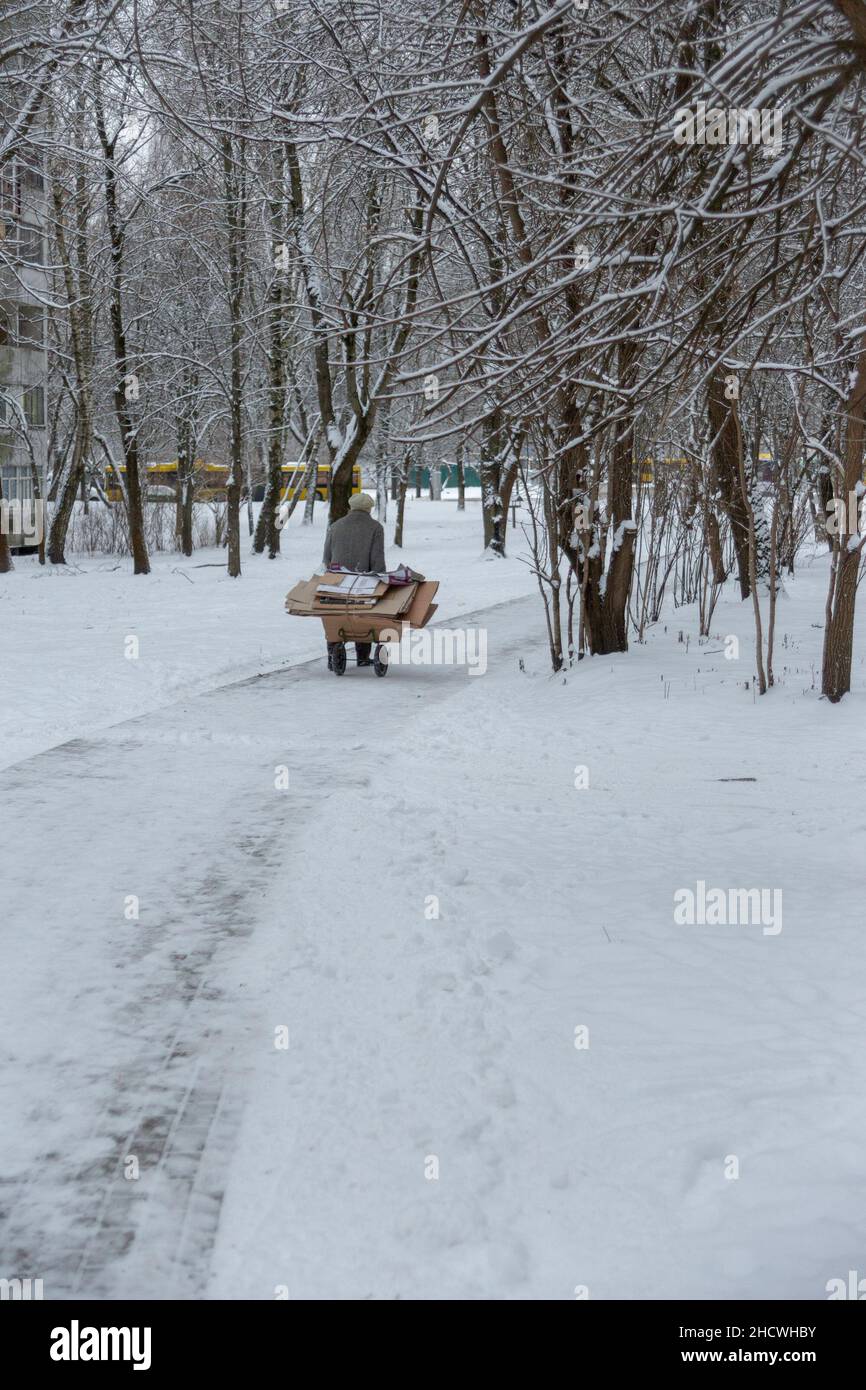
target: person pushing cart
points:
(356, 542)
(356, 598)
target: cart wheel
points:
(380, 659)
(338, 658)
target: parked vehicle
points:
(161, 481)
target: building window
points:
(22, 325)
(33, 175)
(34, 406)
(17, 484)
(10, 192)
(17, 175)
(31, 325)
(29, 244)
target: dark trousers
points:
(362, 650)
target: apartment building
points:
(23, 355)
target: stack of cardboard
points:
(373, 612)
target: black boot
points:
(362, 652)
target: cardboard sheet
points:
(418, 612)
(397, 604)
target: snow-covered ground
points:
(64, 629)
(421, 1023)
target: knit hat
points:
(361, 502)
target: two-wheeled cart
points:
(350, 625)
(397, 607)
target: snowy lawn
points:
(65, 629)
(708, 1141)
(509, 1072)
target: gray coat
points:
(357, 542)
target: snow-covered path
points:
(135, 1023)
(432, 1130)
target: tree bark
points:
(78, 288)
(725, 470)
(123, 415)
(234, 194)
(382, 463)
(494, 446)
(402, 485)
(6, 565)
(606, 591)
(845, 566)
(269, 526)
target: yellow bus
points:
(294, 472)
(160, 481)
(649, 465)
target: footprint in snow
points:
(436, 984)
(499, 947)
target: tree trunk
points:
(235, 212)
(38, 501)
(725, 471)
(6, 565)
(123, 392)
(311, 478)
(402, 485)
(714, 544)
(178, 503)
(233, 502)
(382, 461)
(185, 487)
(186, 536)
(341, 491)
(491, 463)
(78, 286)
(842, 595)
(825, 498)
(66, 501)
(270, 524)
(506, 487)
(607, 584)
